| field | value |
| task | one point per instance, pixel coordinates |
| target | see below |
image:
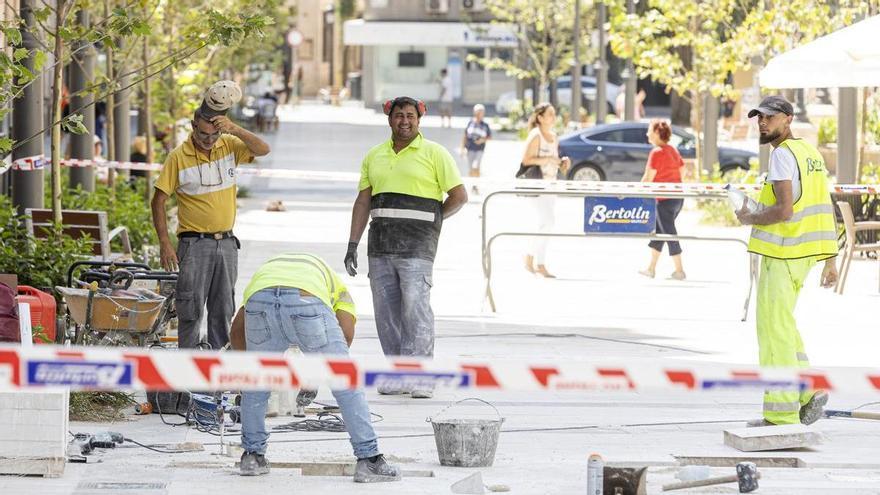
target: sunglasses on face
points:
(204, 136)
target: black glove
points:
(351, 259)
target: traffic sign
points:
(294, 38)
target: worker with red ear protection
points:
(408, 185)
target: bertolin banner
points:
(616, 215)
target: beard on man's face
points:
(769, 137)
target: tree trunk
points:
(111, 105)
(863, 136)
(147, 103)
(57, 71)
(539, 91)
(681, 110)
(697, 124)
(148, 117)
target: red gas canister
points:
(42, 310)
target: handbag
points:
(529, 172)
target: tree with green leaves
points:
(544, 30)
(693, 47)
(208, 28)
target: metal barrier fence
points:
(611, 190)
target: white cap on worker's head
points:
(222, 95)
(479, 108)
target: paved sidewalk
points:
(598, 308)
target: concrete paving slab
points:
(781, 437)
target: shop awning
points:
(379, 33)
(846, 58)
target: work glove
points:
(351, 259)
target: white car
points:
(506, 101)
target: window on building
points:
(499, 53)
(411, 59)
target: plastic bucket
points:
(467, 442)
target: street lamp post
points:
(601, 69)
(629, 77)
(576, 66)
(294, 39)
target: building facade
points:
(405, 44)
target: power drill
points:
(84, 443)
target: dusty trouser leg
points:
(417, 318)
(196, 260)
(385, 285)
(779, 341)
(221, 293)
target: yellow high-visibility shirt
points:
(424, 169)
(303, 271)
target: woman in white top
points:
(542, 150)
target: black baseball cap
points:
(772, 105)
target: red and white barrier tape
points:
(605, 186)
(102, 368)
(115, 165)
(709, 189)
(37, 162)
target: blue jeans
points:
(275, 319)
(402, 304)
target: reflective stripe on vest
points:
(811, 231)
(426, 216)
(782, 406)
(404, 226)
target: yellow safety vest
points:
(811, 231)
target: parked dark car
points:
(618, 152)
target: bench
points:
(79, 224)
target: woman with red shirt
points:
(664, 165)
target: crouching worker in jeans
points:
(296, 299)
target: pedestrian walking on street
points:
(402, 187)
(664, 165)
(446, 98)
(793, 229)
(542, 151)
(473, 143)
(297, 299)
(201, 172)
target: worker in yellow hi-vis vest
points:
(793, 229)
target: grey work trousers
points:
(402, 303)
(208, 269)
